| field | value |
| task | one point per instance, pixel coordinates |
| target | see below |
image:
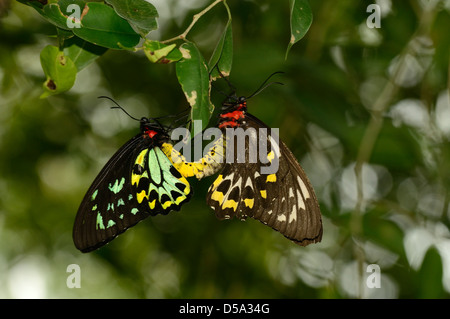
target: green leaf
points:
(222, 56)
(430, 276)
(82, 53)
(193, 76)
(94, 22)
(158, 52)
(139, 13)
(55, 11)
(33, 3)
(174, 56)
(102, 26)
(59, 69)
(301, 20)
(63, 16)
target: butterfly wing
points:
(284, 200)
(158, 183)
(137, 181)
(291, 205)
(208, 165)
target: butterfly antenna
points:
(172, 115)
(264, 85)
(219, 90)
(178, 117)
(118, 106)
(175, 121)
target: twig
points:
(195, 18)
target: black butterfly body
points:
(284, 200)
(138, 181)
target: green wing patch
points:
(158, 183)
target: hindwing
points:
(208, 165)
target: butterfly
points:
(138, 181)
(284, 200)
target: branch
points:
(195, 18)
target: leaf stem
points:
(195, 18)
(228, 9)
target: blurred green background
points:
(375, 99)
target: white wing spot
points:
(248, 183)
(230, 177)
(293, 214)
(303, 187)
(291, 192)
(301, 203)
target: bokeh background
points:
(366, 112)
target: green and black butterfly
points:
(284, 200)
(138, 181)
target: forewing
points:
(109, 206)
(291, 206)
